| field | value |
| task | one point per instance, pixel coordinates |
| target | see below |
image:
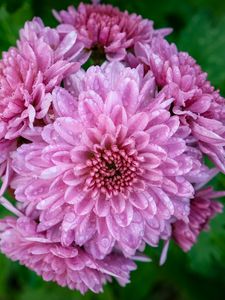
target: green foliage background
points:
(199, 28)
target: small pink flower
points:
(113, 168)
(202, 209)
(30, 71)
(106, 29)
(68, 266)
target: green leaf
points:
(11, 24)
(204, 39)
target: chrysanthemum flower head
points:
(68, 266)
(196, 102)
(105, 29)
(113, 167)
(203, 208)
(30, 71)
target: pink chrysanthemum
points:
(113, 168)
(30, 71)
(68, 266)
(195, 100)
(202, 209)
(106, 29)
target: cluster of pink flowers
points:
(106, 160)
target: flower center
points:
(112, 171)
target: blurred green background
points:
(199, 28)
